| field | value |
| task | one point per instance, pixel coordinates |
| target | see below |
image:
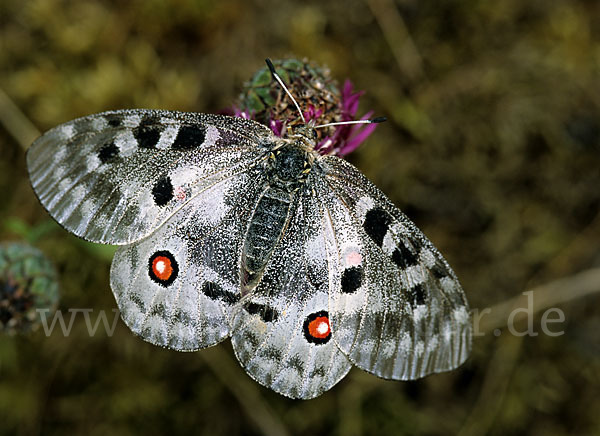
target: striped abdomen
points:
(264, 231)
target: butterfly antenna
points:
(276, 77)
(342, 123)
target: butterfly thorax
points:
(288, 165)
(291, 158)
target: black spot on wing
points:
(211, 290)
(183, 317)
(216, 292)
(113, 120)
(250, 338)
(160, 310)
(162, 191)
(439, 270)
(148, 132)
(108, 152)
(296, 364)
(376, 224)
(272, 353)
(404, 257)
(266, 313)
(189, 137)
(352, 279)
(137, 301)
(319, 371)
(417, 295)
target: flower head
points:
(28, 282)
(319, 98)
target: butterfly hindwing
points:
(176, 288)
(397, 309)
(281, 332)
(114, 177)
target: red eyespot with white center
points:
(163, 268)
(316, 328)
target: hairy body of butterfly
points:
(229, 231)
(287, 168)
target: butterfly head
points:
(304, 135)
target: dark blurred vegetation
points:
(492, 148)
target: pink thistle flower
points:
(263, 100)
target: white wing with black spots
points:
(281, 332)
(397, 309)
(177, 287)
(115, 177)
(229, 231)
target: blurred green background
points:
(492, 147)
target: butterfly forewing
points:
(397, 310)
(281, 333)
(117, 176)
